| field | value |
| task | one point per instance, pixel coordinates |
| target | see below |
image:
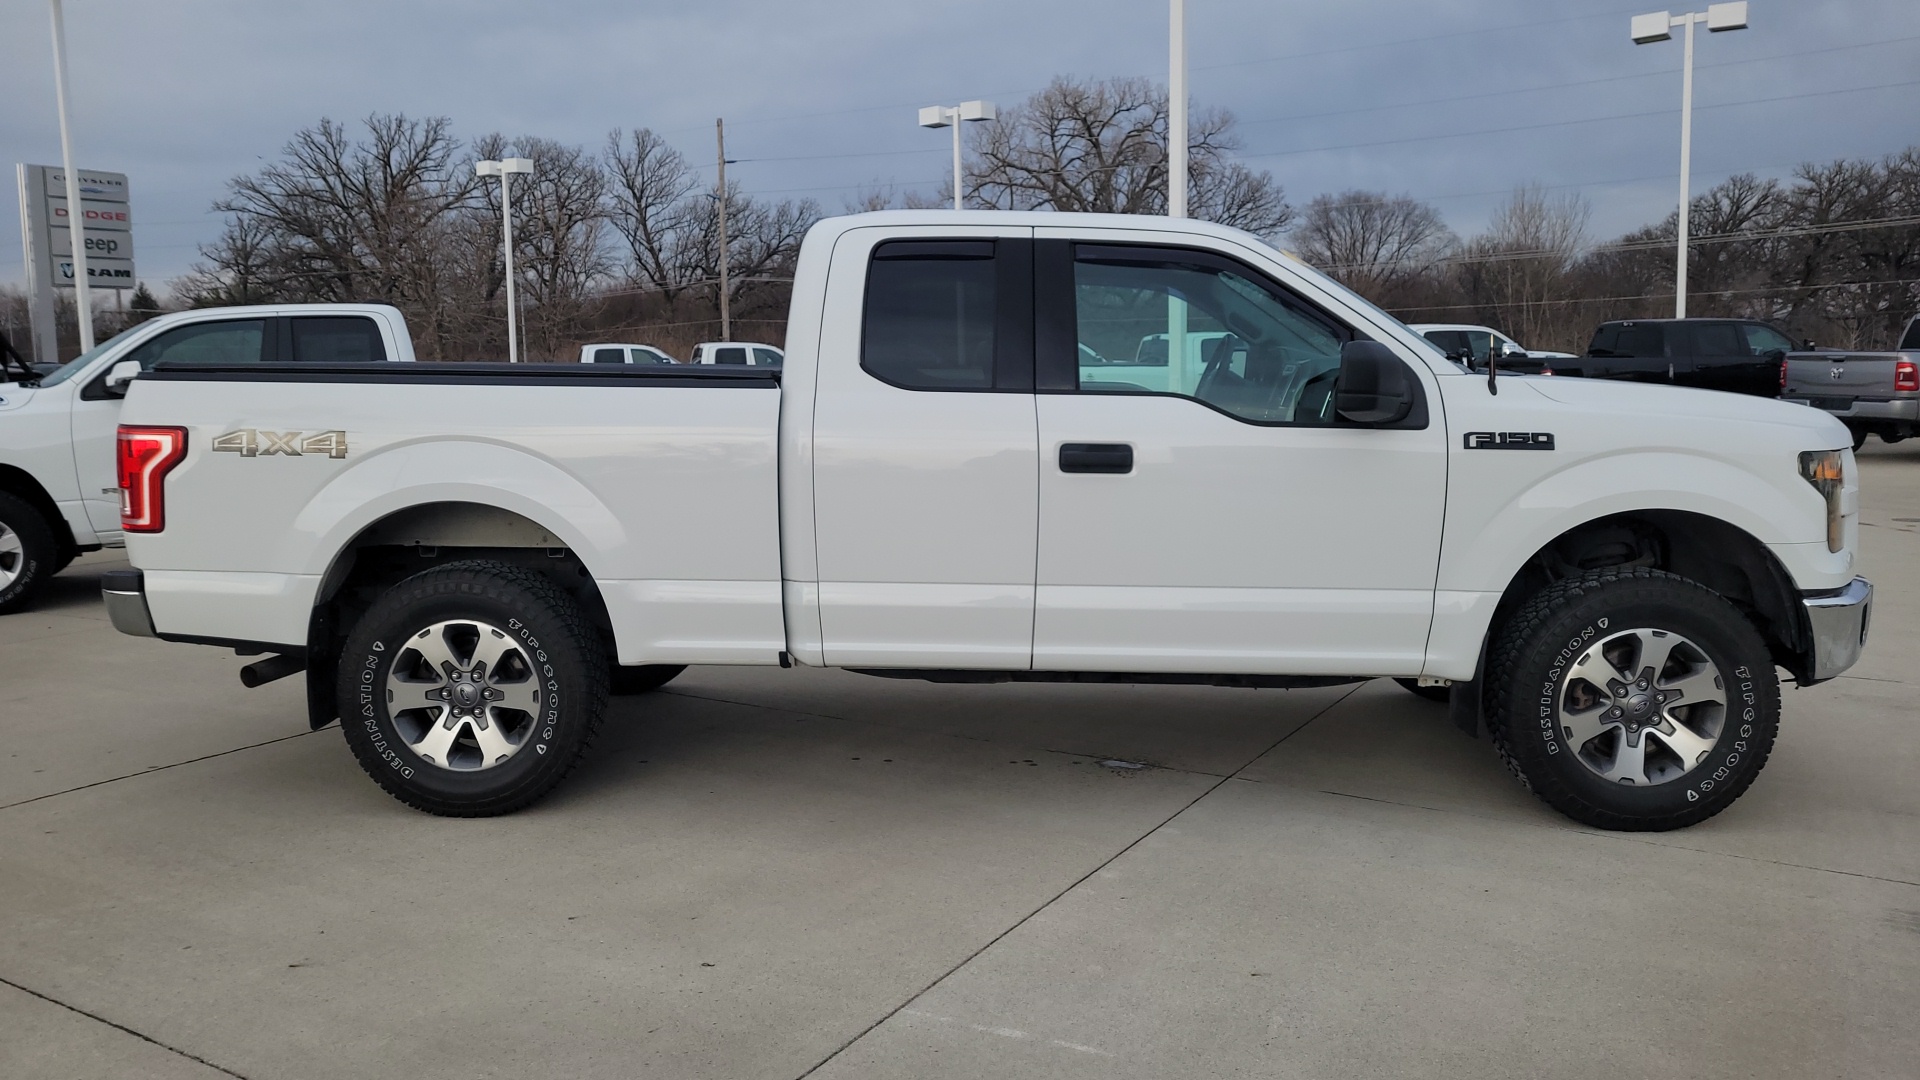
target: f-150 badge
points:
(1509, 440)
(252, 442)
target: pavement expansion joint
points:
(1218, 783)
(142, 1036)
(162, 768)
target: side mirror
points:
(120, 375)
(1512, 350)
(1375, 386)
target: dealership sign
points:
(47, 226)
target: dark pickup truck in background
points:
(1743, 356)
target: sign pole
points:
(76, 213)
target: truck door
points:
(1230, 524)
(1641, 353)
(925, 457)
(1718, 359)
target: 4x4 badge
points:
(252, 442)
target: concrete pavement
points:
(789, 873)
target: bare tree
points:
(1101, 147)
(1375, 243)
(340, 219)
(1520, 272)
(650, 185)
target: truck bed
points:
(1871, 392)
(664, 481)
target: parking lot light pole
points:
(1658, 26)
(939, 116)
(76, 214)
(1177, 110)
(505, 169)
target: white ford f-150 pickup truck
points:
(463, 558)
(58, 492)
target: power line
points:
(1567, 85)
(1415, 308)
(1574, 123)
(1663, 244)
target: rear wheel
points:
(471, 689)
(29, 554)
(1633, 699)
(1859, 435)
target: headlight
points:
(1823, 469)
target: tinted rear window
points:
(1912, 340)
(1639, 341)
(929, 320)
(1718, 339)
(609, 356)
(333, 339)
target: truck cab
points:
(1741, 356)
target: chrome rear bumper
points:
(1839, 623)
(125, 592)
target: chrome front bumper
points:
(125, 592)
(1838, 621)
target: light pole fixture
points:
(939, 116)
(1658, 26)
(1177, 109)
(505, 169)
(76, 214)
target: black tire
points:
(1859, 435)
(550, 648)
(627, 681)
(1440, 694)
(1566, 623)
(37, 557)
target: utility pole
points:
(76, 214)
(720, 138)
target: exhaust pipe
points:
(262, 672)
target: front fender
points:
(1488, 538)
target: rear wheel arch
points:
(421, 537)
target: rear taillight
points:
(1906, 376)
(146, 456)
(1783, 375)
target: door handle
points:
(1085, 457)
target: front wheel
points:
(471, 689)
(29, 555)
(1633, 699)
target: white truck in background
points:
(462, 558)
(737, 354)
(59, 494)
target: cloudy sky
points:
(1454, 101)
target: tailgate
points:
(1817, 377)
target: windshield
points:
(79, 363)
